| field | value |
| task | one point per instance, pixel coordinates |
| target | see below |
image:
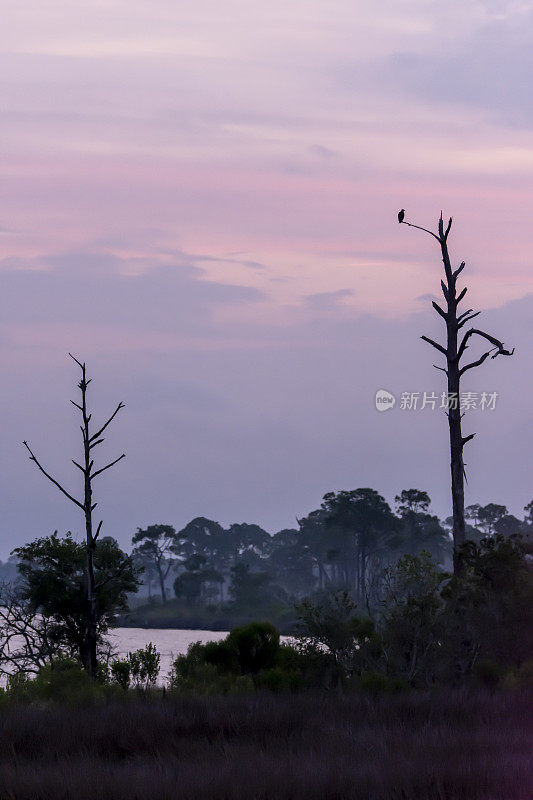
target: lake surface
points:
(170, 642)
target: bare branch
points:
(77, 405)
(53, 480)
(459, 269)
(467, 319)
(448, 229)
(461, 295)
(444, 290)
(78, 466)
(102, 429)
(465, 314)
(98, 471)
(99, 441)
(81, 366)
(466, 439)
(498, 346)
(422, 229)
(439, 347)
(439, 310)
(442, 369)
(477, 363)
(99, 528)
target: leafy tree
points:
(155, 544)
(54, 575)
(420, 531)
(331, 621)
(292, 562)
(490, 520)
(508, 525)
(412, 501)
(360, 523)
(315, 537)
(411, 617)
(489, 516)
(207, 538)
(147, 567)
(489, 608)
(192, 582)
(249, 589)
(188, 585)
(248, 543)
(527, 529)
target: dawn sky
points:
(200, 198)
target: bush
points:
(256, 646)
(191, 672)
(121, 673)
(235, 663)
(279, 679)
(141, 666)
(62, 681)
(222, 655)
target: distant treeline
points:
(208, 576)
(216, 576)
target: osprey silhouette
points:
(401, 215)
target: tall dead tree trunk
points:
(90, 441)
(453, 353)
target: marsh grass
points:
(460, 745)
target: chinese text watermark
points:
(419, 401)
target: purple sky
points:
(199, 198)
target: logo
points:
(384, 400)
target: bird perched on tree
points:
(401, 215)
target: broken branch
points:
(438, 346)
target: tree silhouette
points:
(90, 441)
(156, 544)
(454, 370)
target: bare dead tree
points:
(26, 639)
(90, 441)
(29, 640)
(454, 370)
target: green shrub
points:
(256, 646)
(223, 655)
(191, 672)
(233, 663)
(279, 679)
(140, 667)
(62, 681)
(121, 673)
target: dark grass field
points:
(452, 746)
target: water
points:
(169, 642)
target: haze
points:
(200, 198)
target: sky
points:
(199, 199)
